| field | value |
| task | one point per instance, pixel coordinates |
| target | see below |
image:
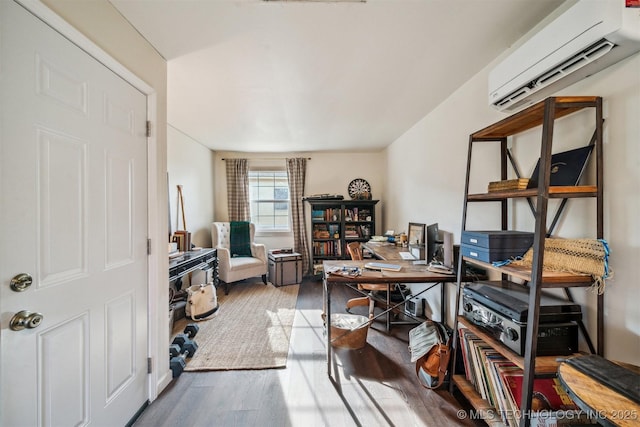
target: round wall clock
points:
(359, 189)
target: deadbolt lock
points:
(21, 282)
(25, 319)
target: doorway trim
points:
(155, 382)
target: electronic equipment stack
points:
(501, 309)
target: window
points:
(269, 196)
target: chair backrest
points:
(354, 251)
(220, 232)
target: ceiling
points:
(281, 76)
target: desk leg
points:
(443, 294)
(387, 308)
(327, 320)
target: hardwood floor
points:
(374, 386)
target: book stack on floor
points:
(499, 382)
(508, 184)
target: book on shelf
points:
(329, 248)
(490, 357)
(351, 232)
(550, 406)
(499, 381)
(548, 393)
(464, 349)
(321, 231)
(503, 404)
(508, 184)
(351, 214)
(329, 214)
(480, 375)
(317, 215)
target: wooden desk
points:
(384, 250)
(410, 273)
(391, 252)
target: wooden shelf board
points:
(550, 279)
(544, 364)
(489, 413)
(557, 192)
(533, 116)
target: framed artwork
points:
(416, 233)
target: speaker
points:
(413, 307)
(447, 249)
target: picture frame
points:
(416, 233)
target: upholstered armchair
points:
(234, 268)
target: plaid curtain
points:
(238, 189)
(296, 172)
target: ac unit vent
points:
(587, 56)
(592, 53)
(512, 98)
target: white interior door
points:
(73, 198)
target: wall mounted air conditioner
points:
(588, 37)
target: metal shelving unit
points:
(543, 115)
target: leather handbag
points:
(430, 345)
(202, 301)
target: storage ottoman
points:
(285, 268)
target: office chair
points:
(356, 254)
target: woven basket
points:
(580, 256)
(349, 330)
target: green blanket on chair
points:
(239, 239)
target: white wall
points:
(327, 172)
(432, 178)
(192, 166)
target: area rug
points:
(251, 329)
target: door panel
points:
(73, 192)
(119, 209)
(70, 373)
(120, 339)
(62, 176)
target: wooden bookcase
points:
(336, 223)
(541, 115)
